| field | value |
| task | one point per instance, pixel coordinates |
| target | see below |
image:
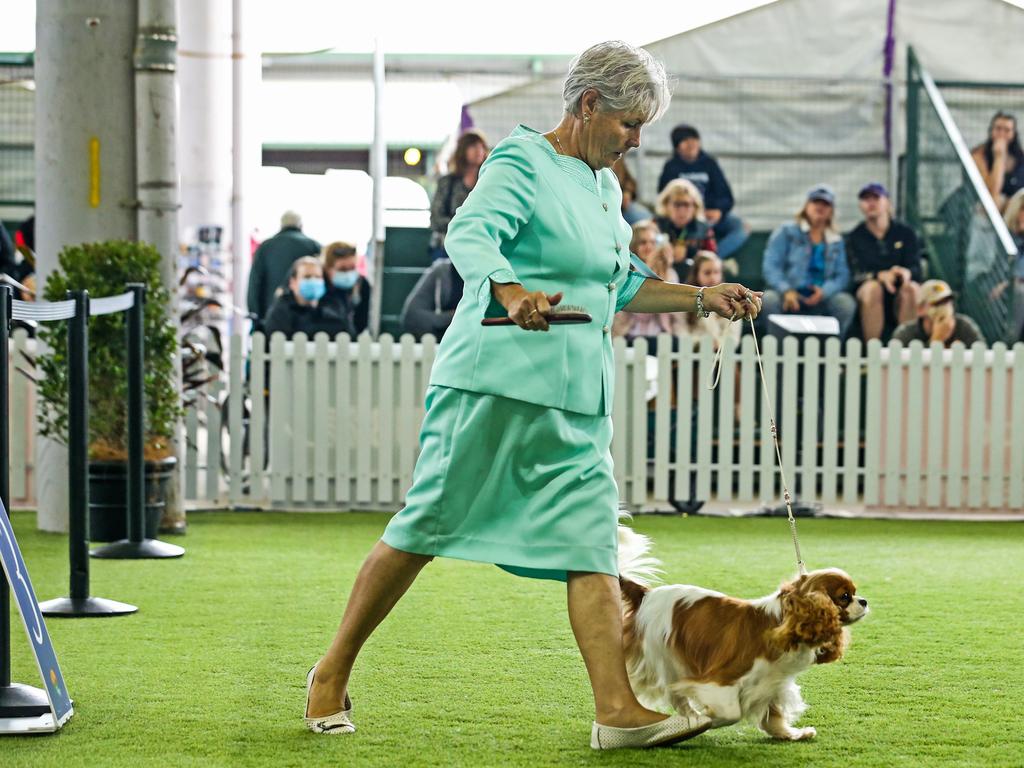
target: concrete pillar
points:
(85, 160)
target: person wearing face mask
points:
(348, 292)
(301, 308)
(273, 259)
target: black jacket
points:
(430, 306)
(706, 175)
(289, 317)
(868, 256)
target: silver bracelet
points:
(700, 302)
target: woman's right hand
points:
(526, 308)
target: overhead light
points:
(412, 156)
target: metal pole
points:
(136, 408)
(78, 444)
(379, 170)
(137, 546)
(6, 297)
(16, 700)
(79, 603)
(910, 209)
(155, 63)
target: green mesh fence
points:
(17, 170)
(968, 243)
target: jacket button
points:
(611, 286)
(605, 329)
(605, 206)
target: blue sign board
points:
(39, 638)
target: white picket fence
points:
(869, 428)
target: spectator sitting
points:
(1014, 218)
(1001, 159)
(656, 255)
(805, 265)
(273, 261)
(680, 211)
(300, 309)
(707, 271)
(695, 165)
(347, 290)
(885, 258)
(453, 188)
(938, 320)
(632, 211)
(430, 307)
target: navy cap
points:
(822, 192)
(874, 188)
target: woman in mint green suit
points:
(515, 467)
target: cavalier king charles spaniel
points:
(695, 650)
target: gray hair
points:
(628, 79)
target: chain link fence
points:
(968, 242)
(17, 126)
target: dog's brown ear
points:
(810, 619)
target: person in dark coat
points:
(430, 307)
(273, 260)
(299, 307)
(693, 164)
(347, 291)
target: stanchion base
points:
(147, 549)
(74, 607)
(18, 700)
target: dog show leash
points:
(775, 437)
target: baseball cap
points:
(874, 188)
(935, 291)
(822, 192)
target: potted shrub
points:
(104, 269)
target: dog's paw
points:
(803, 734)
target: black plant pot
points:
(108, 498)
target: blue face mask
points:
(345, 280)
(312, 288)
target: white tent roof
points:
(957, 39)
(792, 94)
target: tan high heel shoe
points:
(339, 722)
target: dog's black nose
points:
(863, 602)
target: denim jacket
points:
(788, 254)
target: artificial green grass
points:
(476, 667)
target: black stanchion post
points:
(16, 700)
(137, 546)
(79, 603)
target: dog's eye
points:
(846, 597)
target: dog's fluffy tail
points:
(638, 570)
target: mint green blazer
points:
(549, 222)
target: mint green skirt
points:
(523, 486)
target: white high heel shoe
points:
(669, 731)
(339, 722)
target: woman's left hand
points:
(733, 301)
